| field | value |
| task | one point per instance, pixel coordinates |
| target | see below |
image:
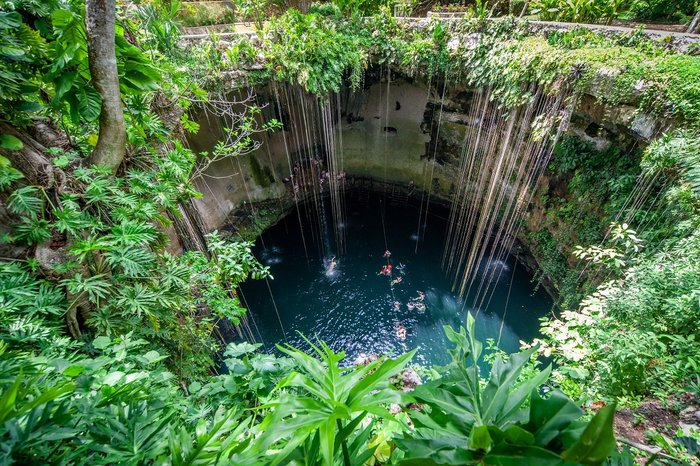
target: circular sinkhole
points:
(354, 307)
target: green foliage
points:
(312, 51)
(633, 337)
(663, 10)
(159, 25)
(115, 250)
(580, 11)
(361, 7)
(504, 421)
(46, 45)
(214, 280)
(320, 417)
(586, 190)
(137, 387)
(120, 406)
(206, 13)
(319, 50)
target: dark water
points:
(353, 308)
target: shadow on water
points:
(347, 302)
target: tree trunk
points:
(694, 27)
(111, 144)
(524, 10)
(190, 228)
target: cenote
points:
(355, 309)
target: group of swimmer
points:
(388, 270)
(416, 303)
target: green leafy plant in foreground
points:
(325, 413)
(504, 421)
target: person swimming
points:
(396, 281)
(401, 267)
(386, 270)
(397, 305)
(401, 332)
(417, 303)
(331, 266)
(387, 254)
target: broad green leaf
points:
(548, 417)
(7, 401)
(101, 342)
(479, 438)
(73, 371)
(89, 103)
(10, 20)
(230, 385)
(513, 455)
(235, 350)
(113, 378)
(10, 142)
(153, 357)
(63, 84)
(598, 440)
(519, 436)
(499, 403)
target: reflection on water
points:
(355, 304)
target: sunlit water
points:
(354, 308)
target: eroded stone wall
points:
(406, 132)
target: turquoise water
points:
(355, 309)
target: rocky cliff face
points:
(397, 130)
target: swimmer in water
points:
(420, 307)
(410, 305)
(400, 267)
(396, 281)
(421, 296)
(387, 254)
(386, 270)
(397, 305)
(401, 332)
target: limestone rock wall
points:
(403, 132)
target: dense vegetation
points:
(109, 333)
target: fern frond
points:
(130, 233)
(49, 300)
(136, 299)
(133, 261)
(32, 230)
(82, 248)
(97, 287)
(8, 175)
(25, 201)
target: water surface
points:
(354, 308)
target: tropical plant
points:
(580, 11)
(324, 412)
(504, 421)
